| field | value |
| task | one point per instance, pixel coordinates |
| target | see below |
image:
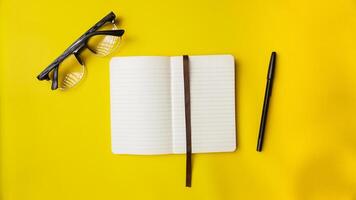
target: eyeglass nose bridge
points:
(77, 53)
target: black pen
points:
(268, 91)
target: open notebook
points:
(147, 104)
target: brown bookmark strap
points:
(188, 179)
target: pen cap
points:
(272, 63)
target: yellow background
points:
(56, 145)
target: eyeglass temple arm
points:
(117, 33)
(74, 46)
(108, 18)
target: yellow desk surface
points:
(56, 145)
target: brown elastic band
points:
(188, 178)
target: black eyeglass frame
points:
(78, 46)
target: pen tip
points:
(272, 62)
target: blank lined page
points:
(140, 105)
(212, 81)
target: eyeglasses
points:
(68, 69)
